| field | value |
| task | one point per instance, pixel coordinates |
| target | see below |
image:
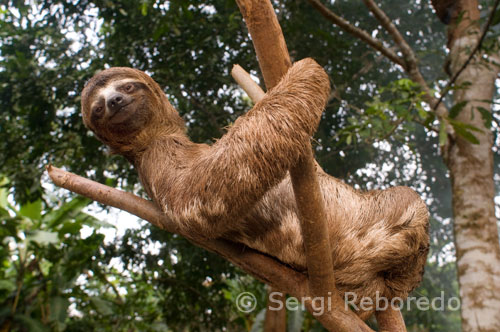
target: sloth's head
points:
(126, 109)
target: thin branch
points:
(447, 88)
(260, 266)
(429, 127)
(357, 32)
(409, 61)
(393, 129)
(105, 280)
(246, 82)
(408, 55)
(314, 230)
(16, 298)
(113, 197)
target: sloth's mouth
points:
(121, 114)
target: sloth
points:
(239, 187)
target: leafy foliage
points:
(43, 254)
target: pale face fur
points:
(239, 187)
(119, 105)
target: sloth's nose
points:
(115, 102)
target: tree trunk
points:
(275, 319)
(471, 169)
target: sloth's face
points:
(124, 107)
(118, 107)
(117, 104)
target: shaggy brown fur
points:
(239, 187)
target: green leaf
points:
(462, 129)
(457, 108)
(10, 227)
(67, 211)
(467, 135)
(102, 306)
(93, 222)
(58, 309)
(70, 227)
(44, 237)
(8, 285)
(464, 125)
(45, 266)
(430, 119)
(401, 110)
(4, 193)
(144, 8)
(4, 212)
(32, 210)
(487, 116)
(443, 135)
(421, 112)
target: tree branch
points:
(113, 197)
(390, 320)
(246, 82)
(357, 32)
(264, 268)
(261, 266)
(409, 62)
(410, 59)
(275, 320)
(447, 88)
(408, 55)
(274, 61)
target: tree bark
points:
(471, 170)
(275, 319)
(470, 165)
(274, 61)
(390, 320)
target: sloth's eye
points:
(98, 110)
(129, 87)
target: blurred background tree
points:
(56, 277)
